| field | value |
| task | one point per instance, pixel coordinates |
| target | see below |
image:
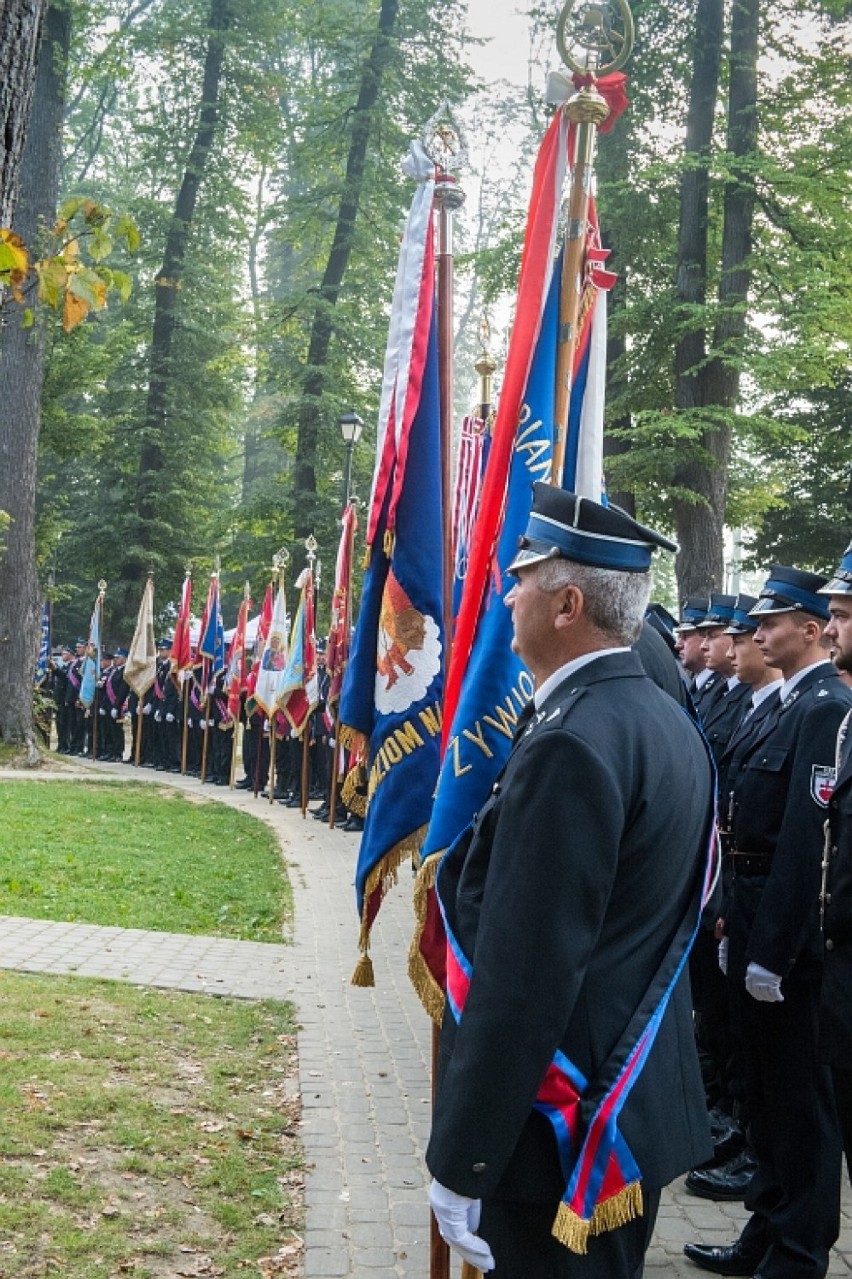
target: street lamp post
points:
(351, 426)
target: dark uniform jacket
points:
(781, 787)
(722, 716)
(836, 1005)
(710, 690)
(576, 874)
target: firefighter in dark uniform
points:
(836, 895)
(720, 714)
(733, 1165)
(115, 695)
(704, 685)
(781, 788)
(565, 904)
(60, 700)
(75, 708)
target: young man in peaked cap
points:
(703, 683)
(836, 894)
(780, 787)
(730, 1178)
(570, 904)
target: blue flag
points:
(211, 644)
(44, 646)
(91, 672)
(393, 688)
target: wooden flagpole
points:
(444, 145)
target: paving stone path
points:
(364, 1055)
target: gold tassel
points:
(388, 543)
(368, 553)
(427, 989)
(573, 1232)
(363, 974)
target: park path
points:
(364, 1054)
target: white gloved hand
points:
(458, 1218)
(146, 710)
(723, 955)
(158, 715)
(114, 712)
(763, 985)
(202, 723)
(170, 719)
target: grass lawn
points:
(135, 856)
(145, 1133)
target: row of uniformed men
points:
(772, 969)
(99, 731)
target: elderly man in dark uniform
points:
(836, 895)
(781, 784)
(568, 1086)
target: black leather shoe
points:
(244, 784)
(728, 1140)
(728, 1260)
(730, 1182)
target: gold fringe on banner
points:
(428, 991)
(353, 792)
(382, 878)
(572, 1231)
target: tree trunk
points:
(166, 292)
(21, 379)
(716, 383)
(20, 36)
(700, 564)
(313, 387)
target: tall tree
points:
(20, 39)
(149, 506)
(708, 381)
(21, 380)
(363, 122)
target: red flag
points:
(298, 691)
(237, 673)
(337, 653)
(181, 654)
(264, 622)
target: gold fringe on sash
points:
(428, 991)
(572, 1231)
(382, 877)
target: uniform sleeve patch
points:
(822, 783)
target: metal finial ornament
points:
(280, 560)
(595, 35)
(102, 587)
(445, 144)
(311, 548)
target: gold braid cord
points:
(428, 991)
(381, 879)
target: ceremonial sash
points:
(75, 679)
(602, 1179)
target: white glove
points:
(723, 955)
(158, 715)
(763, 985)
(146, 710)
(457, 1219)
(114, 712)
(202, 723)
(170, 719)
